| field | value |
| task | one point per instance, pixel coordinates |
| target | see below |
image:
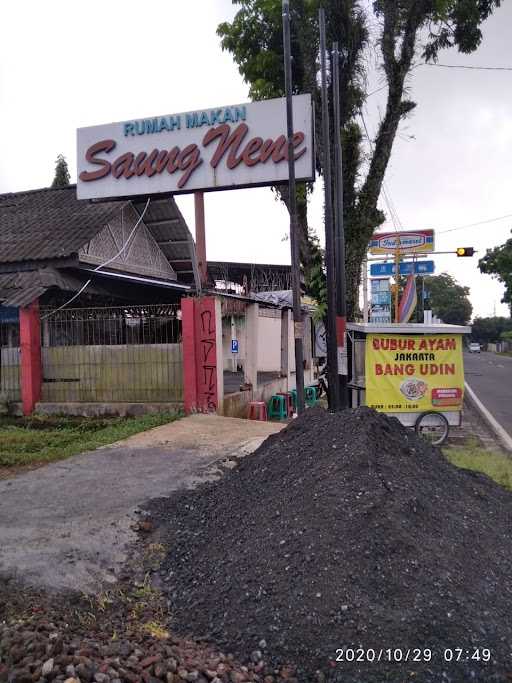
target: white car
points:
(474, 347)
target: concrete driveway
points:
(69, 524)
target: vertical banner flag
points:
(409, 300)
(407, 373)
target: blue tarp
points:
(9, 314)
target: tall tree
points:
(498, 262)
(62, 176)
(485, 330)
(448, 300)
(407, 29)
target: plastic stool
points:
(277, 407)
(316, 387)
(257, 411)
(293, 394)
(289, 401)
(310, 396)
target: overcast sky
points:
(68, 64)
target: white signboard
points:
(223, 148)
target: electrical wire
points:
(465, 66)
(472, 225)
(392, 211)
(102, 265)
(394, 216)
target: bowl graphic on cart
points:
(413, 389)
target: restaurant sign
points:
(405, 242)
(214, 149)
(414, 373)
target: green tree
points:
(448, 300)
(408, 29)
(485, 330)
(61, 178)
(498, 262)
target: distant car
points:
(474, 347)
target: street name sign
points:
(406, 268)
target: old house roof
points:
(49, 224)
(48, 229)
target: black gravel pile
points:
(344, 532)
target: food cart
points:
(413, 372)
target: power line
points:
(374, 92)
(472, 225)
(387, 198)
(473, 68)
(449, 66)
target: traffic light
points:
(465, 251)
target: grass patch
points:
(42, 439)
(471, 456)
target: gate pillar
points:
(203, 384)
(31, 370)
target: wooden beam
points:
(166, 221)
(172, 242)
(200, 237)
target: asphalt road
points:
(490, 377)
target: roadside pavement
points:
(69, 524)
(490, 377)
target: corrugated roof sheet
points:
(20, 289)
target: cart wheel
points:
(433, 427)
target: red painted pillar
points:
(188, 334)
(199, 334)
(30, 342)
(206, 355)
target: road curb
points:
(503, 437)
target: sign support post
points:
(330, 266)
(397, 279)
(365, 290)
(200, 238)
(292, 208)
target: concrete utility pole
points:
(298, 327)
(339, 231)
(330, 265)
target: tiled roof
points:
(49, 224)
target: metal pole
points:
(200, 237)
(397, 279)
(339, 230)
(332, 351)
(422, 319)
(365, 291)
(298, 328)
